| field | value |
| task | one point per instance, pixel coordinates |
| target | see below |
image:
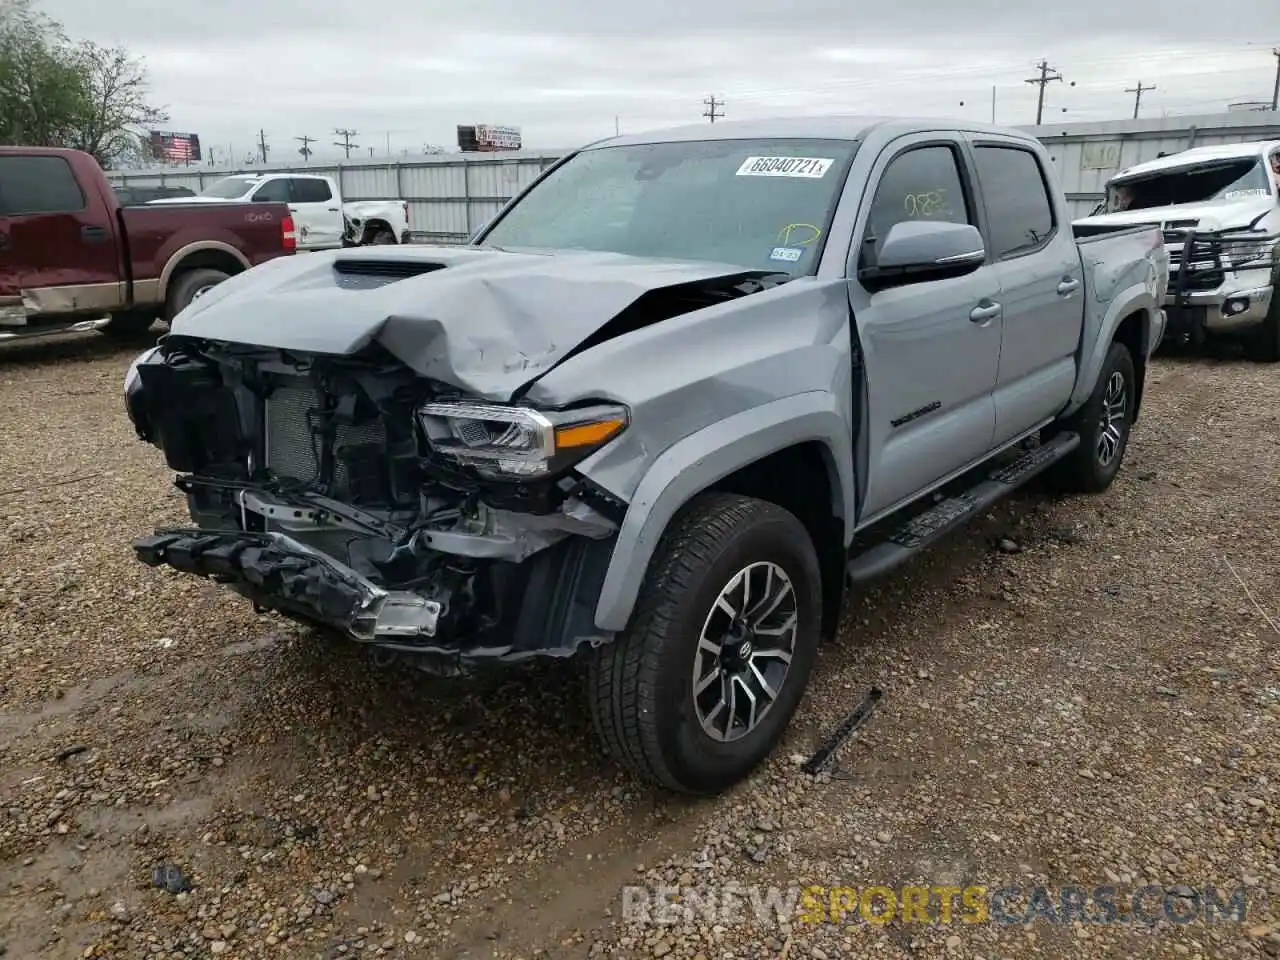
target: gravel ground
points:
(1078, 691)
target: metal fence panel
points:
(453, 195)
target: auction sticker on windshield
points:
(811, 167)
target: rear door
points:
(931, 348)
(1042, 286)
(60, 251)
(317, 211)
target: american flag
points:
(176, 147)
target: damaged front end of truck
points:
(348, 491)
(382, 476)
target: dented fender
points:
(698, 461)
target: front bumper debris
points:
(278, 571)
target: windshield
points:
(229, 188)
(1195, 183)
(761, 204)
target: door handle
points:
(984, 312)
(1068, 285)
(333, 209)
(93, 234)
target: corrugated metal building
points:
(453, 195)
(1088, 154)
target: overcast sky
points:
(410, 71)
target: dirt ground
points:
(1083, 691)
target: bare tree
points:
(116, 112)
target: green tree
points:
(42, 90)
(57, 93)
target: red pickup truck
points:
(73, 258)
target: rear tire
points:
(1103, 423)
(642, 686)
(187, 286)
(129, 326)
(1263, 344)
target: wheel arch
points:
(766, 450)
(1128, 320)
(210, 254)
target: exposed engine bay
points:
(351, 492)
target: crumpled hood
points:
(1217, 215)
(484, 320)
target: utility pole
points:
(1275, 93)
(305, 149)
(617, 125)
(711, 104)
(262, 145)
(1047, 76)
(346, 144)
(1138, 91)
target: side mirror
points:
(916, 250)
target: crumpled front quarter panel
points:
(776, 365)
(687, 373)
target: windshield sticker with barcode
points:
(813, 168)
(789, 254)
(1242, 194)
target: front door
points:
(1041, 282)
(931, 348)
(59, 255)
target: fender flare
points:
(176, 258)
(1133, 299)
(701, 459)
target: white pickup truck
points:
(323, 220)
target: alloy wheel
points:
(744, 651)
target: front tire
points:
(700, 687)
(1263, 344)
(1103, 423)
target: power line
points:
(305, 149)
(346, 144)
(711, 104)
(1138, 91)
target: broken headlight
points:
(518, 443)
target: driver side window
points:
(922, 183)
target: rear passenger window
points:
(310, 191)
(922, 184)
(273, 191)
(1017, 199)
(38, 185)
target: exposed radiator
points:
(294, 415)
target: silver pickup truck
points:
(662, 411)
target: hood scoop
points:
(365, 274)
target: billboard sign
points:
(175, 147)
(488, 137)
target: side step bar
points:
(945, 516)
